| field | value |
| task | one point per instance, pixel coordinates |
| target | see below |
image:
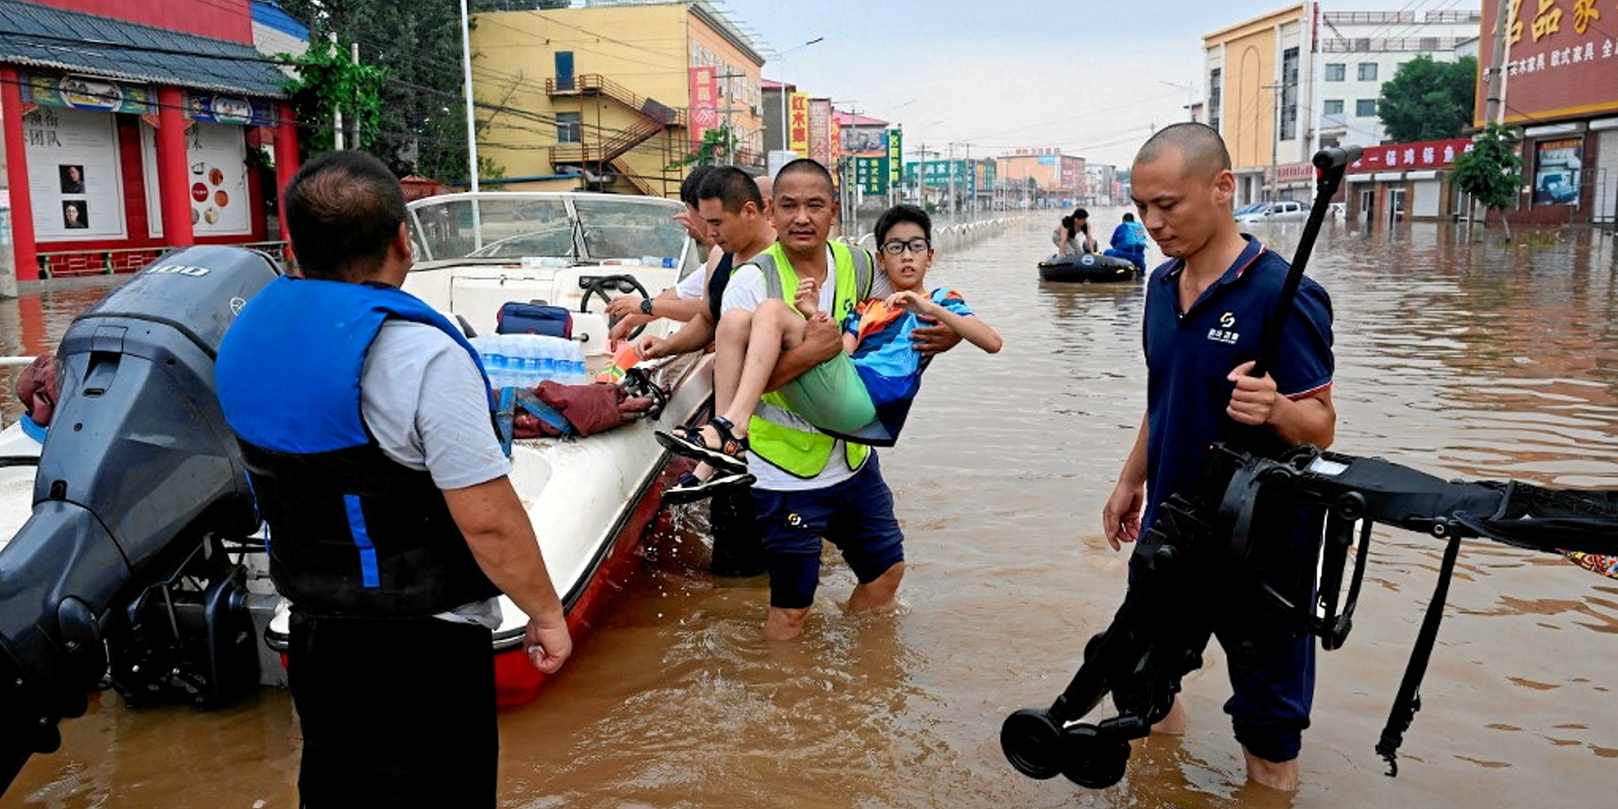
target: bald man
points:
(1205, 313)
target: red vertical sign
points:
(704, 109)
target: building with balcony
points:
(1284, 84)
(614, 96)
(1359, 51)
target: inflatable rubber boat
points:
(1089, 268)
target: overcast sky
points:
(1084, 76)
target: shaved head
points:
(1200, 146)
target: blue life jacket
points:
(1130, 237)
(352, 532)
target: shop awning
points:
(40, 36)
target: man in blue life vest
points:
(810, 486)
(1204, 315)
(1129, 242)
(364, 421)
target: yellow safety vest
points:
(776, 433)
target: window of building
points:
(1332, 106)
(1367, 71)
(1336, 71)
(1365, 108)
(1289, 94)
(1214, 87)
(569, 127)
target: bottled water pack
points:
(525, 360)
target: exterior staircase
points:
(655, 118)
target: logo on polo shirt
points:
(1225, 333)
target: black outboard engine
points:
(122, 567)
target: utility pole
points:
(1275, 143)
(954, 209)
(1495, 76)
(730, 134)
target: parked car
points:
(1251, 207)
(1285, 211)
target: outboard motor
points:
(122, 567)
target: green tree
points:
(327, 80)
(1491, 171)
(1428, 100)
(421, 125)
(716, 144)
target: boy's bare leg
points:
(776, 328)
(731, 337)
(878, 593)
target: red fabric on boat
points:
(590, 408)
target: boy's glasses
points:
(914, 245)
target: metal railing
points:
(597, 84)
(609, 149)
(81, 263)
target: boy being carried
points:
(861, 395)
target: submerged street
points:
(1472, 360)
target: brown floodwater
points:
(1465, 360)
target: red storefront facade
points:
(149, 139)
(1560, 88)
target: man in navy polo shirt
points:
(1205, 313)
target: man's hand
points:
(1120, 518)
(935, 338)
(548, 643)
(622, 328)
(649, 348)
(1253, 400)
(821, 338)
(624, 306)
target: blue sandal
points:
(730, 455)
(689, 488)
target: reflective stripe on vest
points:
(776, 433)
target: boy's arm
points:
(972, 328)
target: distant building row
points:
(1284, 84)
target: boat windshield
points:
(575, 227)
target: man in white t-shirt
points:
(808, 485)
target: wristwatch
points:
(646, 306)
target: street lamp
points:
(780, 58)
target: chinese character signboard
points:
(1424, 155)
(798, 123)
(704, 106)
(1557, 171)
(871, 174)
(939, 174)
(895, 154)
(1562, 61)
(820, 130)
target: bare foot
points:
(1278, 775)
(784, 624)
(1173, 724)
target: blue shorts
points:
(856, 515)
